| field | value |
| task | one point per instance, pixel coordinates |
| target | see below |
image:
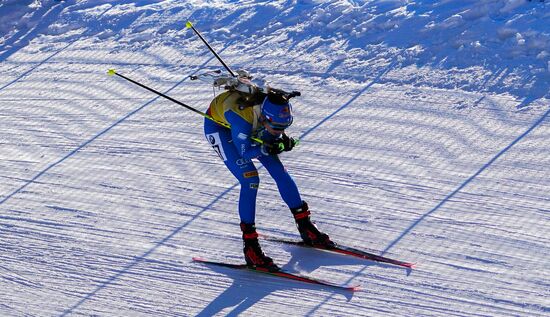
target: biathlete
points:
(252, 114)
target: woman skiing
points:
(253, 114)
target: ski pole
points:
(112, 72)
(189, 25)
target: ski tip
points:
(355, 288)
(111, 72)
(197, 259)
(188, 24)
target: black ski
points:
(344, 250)
(280, 273)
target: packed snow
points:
(424, 130)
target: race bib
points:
(214, 140)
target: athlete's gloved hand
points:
(277, 146)
(287, 142)
(274, 148)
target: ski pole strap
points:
(112, 72)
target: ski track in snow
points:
(108, 192)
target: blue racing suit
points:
(235, 147)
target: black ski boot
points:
(253, 252)
(308, 230)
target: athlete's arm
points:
(241, 131)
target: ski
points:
(280, 273)
(345, 251)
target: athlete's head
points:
(276, 112)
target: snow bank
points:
(16, 16)
(336, 37)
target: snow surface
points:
(425, 137)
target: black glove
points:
(274, 148)
(284, 143)
(288, 142)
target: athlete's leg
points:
(285, 183)
(244, 170)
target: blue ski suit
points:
(235, 147)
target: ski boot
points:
(308, 230)
(253, 252)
